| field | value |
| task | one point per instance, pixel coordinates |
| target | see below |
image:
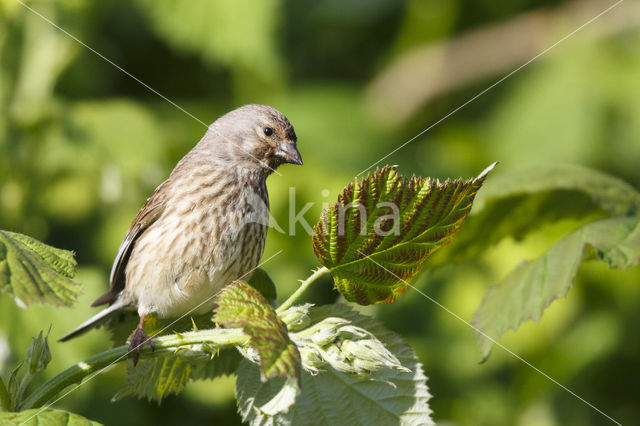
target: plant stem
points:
(75, 374)
(303, 286)
(5, 399)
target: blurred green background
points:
(82, 145)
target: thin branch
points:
(74, 375)
(303, 286)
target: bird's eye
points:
(268, 131)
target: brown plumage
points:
(203, 227)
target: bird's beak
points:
(289, 153)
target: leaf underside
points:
(377, 235)
(388, 396)
(241, 306)
(529, 289)
(31, 271)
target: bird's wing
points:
(148, 214)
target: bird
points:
(203, 227)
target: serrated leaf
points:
(242, 306)
(377, 235)
(48, 417)
(388, 396)
(156, 378)
(31, 271)
(528, 290)
(262, 282)
(519, 202)
(611, 194)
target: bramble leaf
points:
(330, 397)
(528, 290)
(241, 306)
(167, 373)
(156, 378)
(381, 229)
(513, 204)
(48, 417)
(31, 271)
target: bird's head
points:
(256, 137)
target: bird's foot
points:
(139, 338)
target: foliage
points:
(531, 287)
(38, 357)
(379, 232)
(340, 350)
(242, 306)
(31, 271)
(82, 144)
(388, 396)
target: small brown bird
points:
(203, 227)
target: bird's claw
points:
(137, 340)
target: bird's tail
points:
(94, 321)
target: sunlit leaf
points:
(609, 193)
(242, 306)
(168, 373)
(31, 271)
(528, 290)
(517, 203)
(381, 229)
(48, 417)
(388, 396)
(156, 378)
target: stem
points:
(73, 375)
(5, 400)
(303, 286)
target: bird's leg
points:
(138, 339)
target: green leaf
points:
(528, 290)
(242, 306)
(262, 282)
(611, 194)
(379, 232)
(156, 378)
(31, 271)
(517, 203)
(388, 396)
(48, 417)
(13, 386)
